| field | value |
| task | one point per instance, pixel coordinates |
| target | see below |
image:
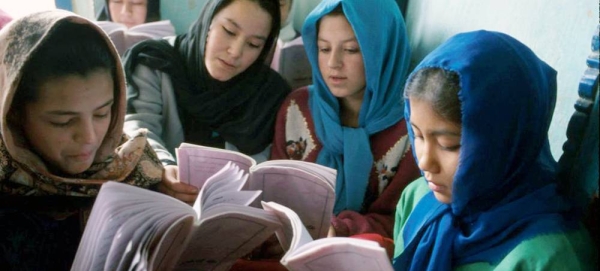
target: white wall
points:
(558, 31)
(18, 9)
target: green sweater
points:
(560, 251)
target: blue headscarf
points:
(504, 189)
(381, 34)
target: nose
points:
(85, 133)
(428, 161)
(236, 48)
(126, 8)
(335, 60)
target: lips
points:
(227, 64)
(337, 79)
(81, 156)
(436, 187)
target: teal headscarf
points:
(381, 34)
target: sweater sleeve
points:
(379, 217)
(146, 110)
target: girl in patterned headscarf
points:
(62, 112)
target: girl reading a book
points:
(130, 12)
(351, 118)
(479, 108)
(209, 86)
(63, 106)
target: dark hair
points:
(271, 7)
(336, 11)
(70, 49)
(440, 88)
(153, 11)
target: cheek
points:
(418, 146)
(210, 45)
(250, 56)
(358, 68)
(50, 145)
(140, 15)
(322, 59)
(103, 126)
(113, 9)
(451, 165)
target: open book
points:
(123, 37)
(334, 253)
(307, 188)
(131, 228)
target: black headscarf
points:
(241, 110)
(152, 12)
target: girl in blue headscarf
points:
(350, 118)
(479, 108)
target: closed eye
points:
(62, 124)
(102, 116)
(255, 46)
(451, 148)
(230, 33)
(324, 50)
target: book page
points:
(226, 233)
(310, 196)
(116, 204)
(108, 214)
(109, 26)
(339, 253)
(157, 29)
(197, 163)
(124, 38)
(116, 33)
(172, 243)
(224, 187)
(229, 178)
(326, 173)
(132, 38)
(146, 236)
(132, 260)
(127, 236)
(292, 233)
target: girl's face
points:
(236, 37)
(70, 119)
(437, 146)
(340, 59)
(128, 12)
(284, 9)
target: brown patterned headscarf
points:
(22, 171)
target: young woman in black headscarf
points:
(209, 86)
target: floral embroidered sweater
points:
(393, 168)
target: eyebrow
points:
(239, 27)
(344, 41)
(64, 112)
(439, 132)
